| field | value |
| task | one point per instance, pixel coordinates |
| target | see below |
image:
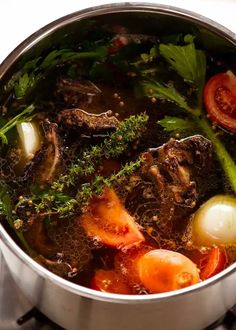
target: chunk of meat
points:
(108, 221)
(179, 166)
(77, 92)
(87, 122)
(168, 186)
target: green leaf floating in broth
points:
(152, 88)
(176, 124)
(187, 61)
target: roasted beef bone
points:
(45, 165)
(172, 179)
(77, 92)
(86, 122)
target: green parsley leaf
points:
(188, 62)
(151, 56)
(176, 124)
(163, 92)
(24, 83)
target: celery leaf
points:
(176, 124)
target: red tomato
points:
(220, 100)
(165, 270)
(110, 281)
(108, 221)
(213, 263)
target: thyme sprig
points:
(114, 145)
(55, 200)
(87, 190)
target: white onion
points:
(215, 222)
(29, 138)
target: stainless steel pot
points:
(76, 307)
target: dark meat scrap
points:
(179, 168)
(46, 163)
(77, 118)
(77, 92)
(165, 191)
(36, 236)
(52, 154)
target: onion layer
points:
(215, 222)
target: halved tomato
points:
(220, 100)
(214, 262)
(108, 221)
(110, 281)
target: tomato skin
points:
(214, 262)
(110, 281)
(220, 100)
(108, 221)
(164, 270)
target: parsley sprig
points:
(190, 64)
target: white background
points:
(20, 18)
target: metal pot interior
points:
(95, 23)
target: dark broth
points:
(58, 242)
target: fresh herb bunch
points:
(190, 64)
(114, 145)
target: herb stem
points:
(226, 161)
(113, 146)
(25, 115)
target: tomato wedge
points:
(214, 262)
(165, 270)
(110, 281)
(108, 221)
(220, 100)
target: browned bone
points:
(77, 118)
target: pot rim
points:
(29, 43)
